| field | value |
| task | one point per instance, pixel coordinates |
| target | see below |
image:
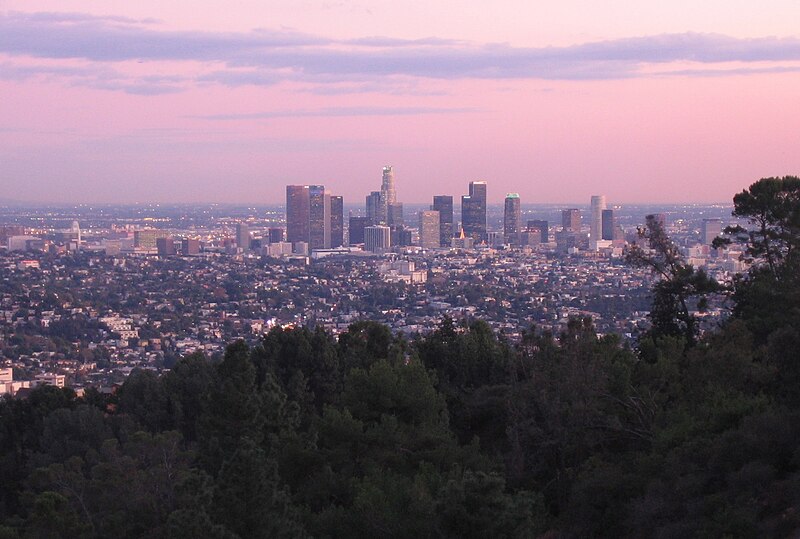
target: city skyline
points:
(198, 102)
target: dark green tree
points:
(768, 297)
(249, 499)
(680, 288)
(143, 397)
(234, 409)
(188, 388)
(476, 504)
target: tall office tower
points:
(319, 228)
(429, 233)
(190, 246)
(337, 221)
(444, 205)
(473, 211)
(543, 227)
(377, 238)
(596, 225)
(298, 213)
(166, 246)
(660, 218)
(388, 194)
(243, 236)
(356, 229)
(394, 214)
(710, 229)
(400, 236)
(512, 217)
(609, 224)
(275, 234)
(571, 220)
(374, 208)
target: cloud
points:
(100, 77)
(338, 112)
(727, 72)
(56, 35)
(266, 57)
(236, 77)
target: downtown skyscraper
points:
(298, 213)
(374, 208)
(382, 206)
(309, 216)
(337, 221)
(473, 211)
(429, 237)
(320, 217)
(609, 225)
(596, 224)
(242, 236)
(571, 220)
(388, 193)
(512, 217)
(444, 205)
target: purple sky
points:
(230, 101)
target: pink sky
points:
(229, 102)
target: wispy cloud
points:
(92, 76)
(265, 57)
(108, 39)
(338, 112)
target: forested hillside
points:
(453, 434)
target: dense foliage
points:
(453, 434)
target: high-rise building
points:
(596, 225)
(190, 246)
(145, 239)
(429, 233)
(710, 229)
(394, 214)
(571, 220)
(298, 213)
(337, 221)
(319, 228)
(308, 216)
(356, 229)
(543, 227)
(275, 234)
(512, 218)
(374, 213)
(166, 246)
(388, 194)
(400, 236)
(473, 211)
(377, 238)
(530, 237)
(609, 224)
(444, 205)
(243, 236)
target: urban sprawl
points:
(87, 293)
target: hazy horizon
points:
(347, 203)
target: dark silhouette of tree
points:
(771, 207)
(679, 283)
(768, 296)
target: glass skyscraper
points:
(473, 211)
